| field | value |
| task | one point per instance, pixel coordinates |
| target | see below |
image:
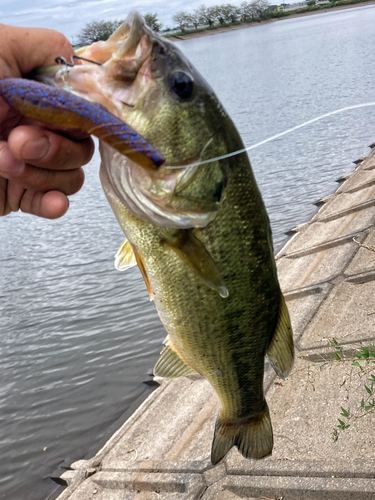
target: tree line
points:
(224, 14)
(95, 31)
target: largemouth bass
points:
(199, 232)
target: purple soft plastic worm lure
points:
(58, 107)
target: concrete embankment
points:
(162, 451)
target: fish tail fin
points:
(254, 439)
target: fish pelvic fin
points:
(171, 364)
(254, 439)
(125, 258)
(280, 353)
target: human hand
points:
(39, 165)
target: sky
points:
(70, 16)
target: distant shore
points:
(249, 25)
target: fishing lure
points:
(58, 107)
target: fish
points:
(196, 226)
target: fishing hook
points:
(62, 61)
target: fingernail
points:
(35, 150)
(9, 165)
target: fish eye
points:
(181, 84)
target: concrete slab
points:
(364, 259)
(362, 180)
(317, 264)
(348, 315)
(305, 410)
(321, 235)
(162, 451)
(302, 468)
(351, 199)
(303, 304)
(140, 486)
(185, 414)
(298, 488)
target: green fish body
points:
(199, 232)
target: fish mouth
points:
(108, 72)
(116, 74)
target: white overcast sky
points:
(70, 16)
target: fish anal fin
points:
(253, 438)
(144, 273)
(280, 353)
(197, 257)
(171, 364)
(125, 258)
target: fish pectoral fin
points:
(254, 438)
(281, 350)
(170, 364)
(142, 268)
(197, 257)
(125, 258)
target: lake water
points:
(79, 339)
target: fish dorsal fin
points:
(170, 364)
(125, 258)
(281, 351)
(195, 254)
(144, 273)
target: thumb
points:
(24, 49)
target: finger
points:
(39, 179)
(28, 48)
(47, 149)
(49, 205)
(9, 165)
(13, 197)
(14, 194)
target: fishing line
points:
(240, 151)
